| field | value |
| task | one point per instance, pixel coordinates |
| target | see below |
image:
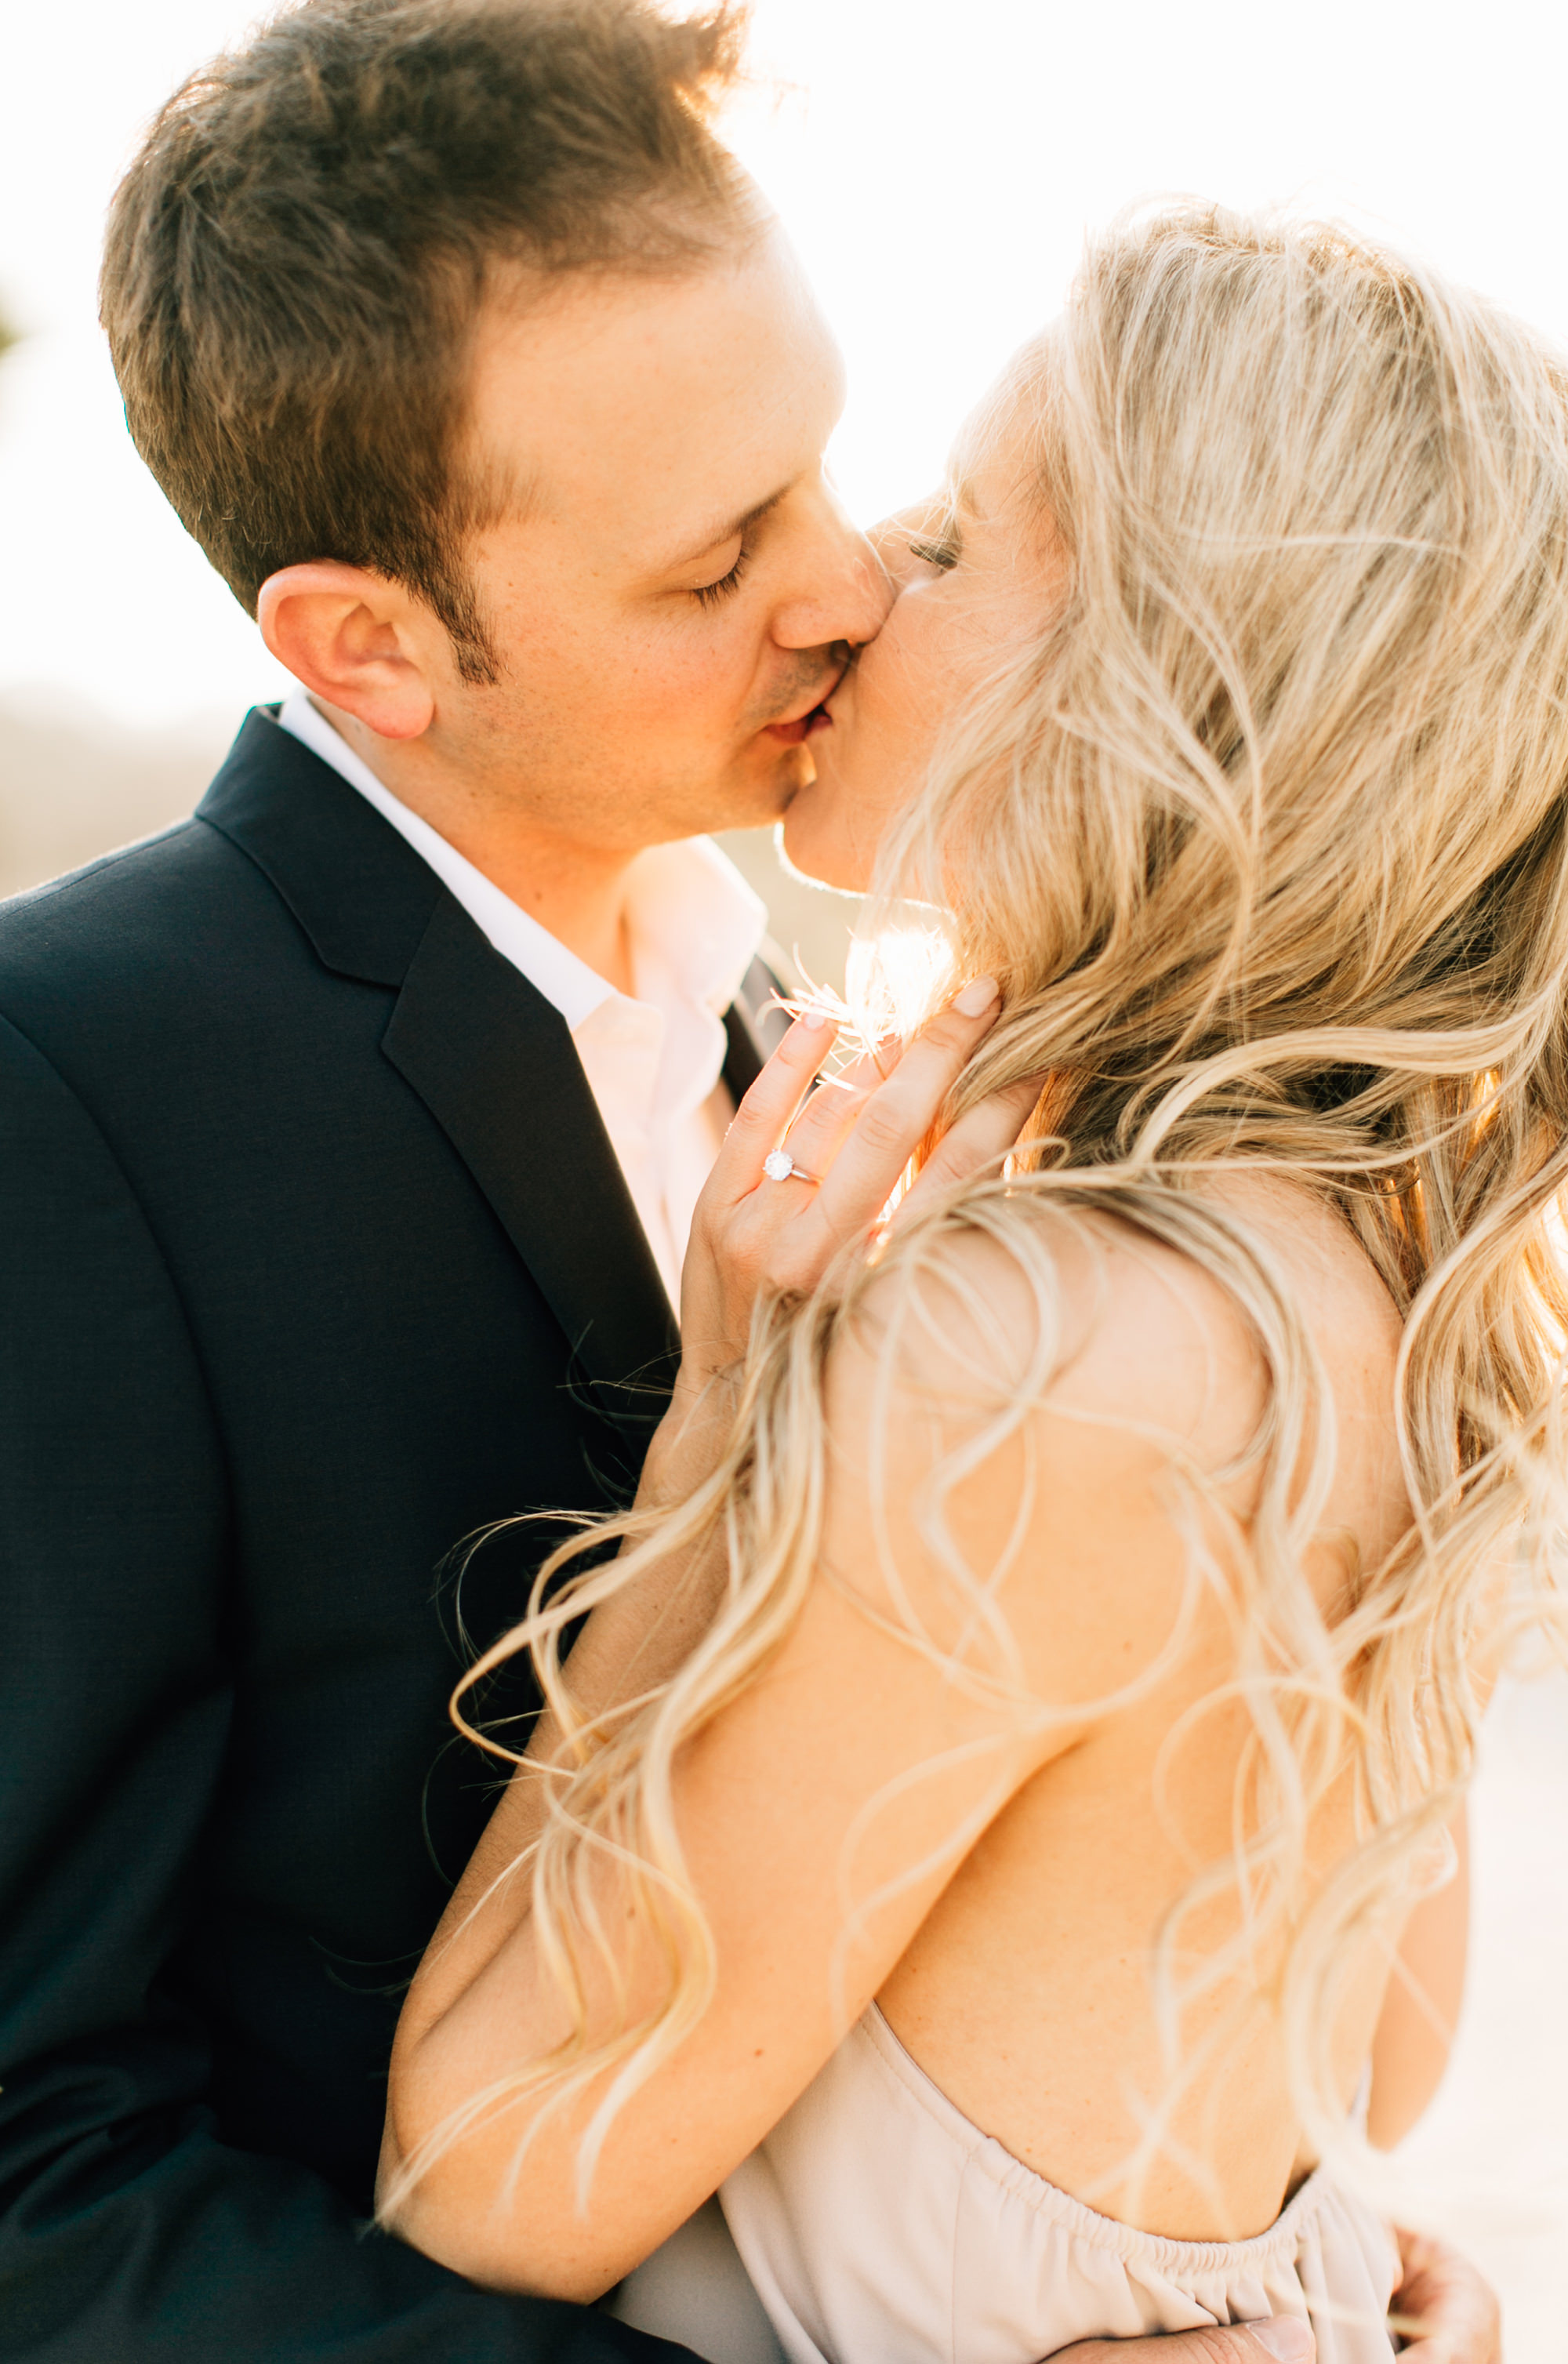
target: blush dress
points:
(876, 2224)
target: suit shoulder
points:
(128, 915)
(186, 855)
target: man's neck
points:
(577, 892)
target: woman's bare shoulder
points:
(1124, 1321)
(1082, 1311)
(1004, 1412)
(1066, 1360)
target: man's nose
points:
(844, 590)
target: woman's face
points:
(977, 572)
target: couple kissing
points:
(782, 1681)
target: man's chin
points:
(762, 797)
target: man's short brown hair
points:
(295, 259)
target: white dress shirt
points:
(653, 1062)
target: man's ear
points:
(355, 639)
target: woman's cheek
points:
(829, 830)
(929, 647)
(871, 762)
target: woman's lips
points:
(805, 726)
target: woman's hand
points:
(753, 1235)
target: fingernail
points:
(977, 997)
(813, 1019)
(1284, 2337)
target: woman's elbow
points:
(455, 2210)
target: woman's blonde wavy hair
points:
(1266, 839)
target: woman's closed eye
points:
(942, 545)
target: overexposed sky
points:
(938, 164)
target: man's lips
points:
(810, 720)
(806, 725)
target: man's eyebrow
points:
(733, 526)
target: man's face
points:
(672, 587)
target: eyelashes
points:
(941, 552)
(711, 595)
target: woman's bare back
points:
(1026, 1995)
(884, 1811)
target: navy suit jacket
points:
(315, 1259)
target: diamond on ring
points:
(780, 1167)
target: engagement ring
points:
(780, 1167)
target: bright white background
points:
(938, 171)
(938, 165)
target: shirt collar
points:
(692, 915)
(696, 924)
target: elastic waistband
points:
(1158, 2251)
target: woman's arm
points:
(749, 1237)
(767, 1803)
(1416, 2032)
(855, 1771)
(746, 1237)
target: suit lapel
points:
(495, 1065)
(359, 890)
(490, 1057)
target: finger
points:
(762, 1118)
(823, 1125)
(862, 1076)
(819, 1130)
(1445, 2309)
(875, 1065)
(982, 1137)
(900, 1112)
(1279, 2339)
